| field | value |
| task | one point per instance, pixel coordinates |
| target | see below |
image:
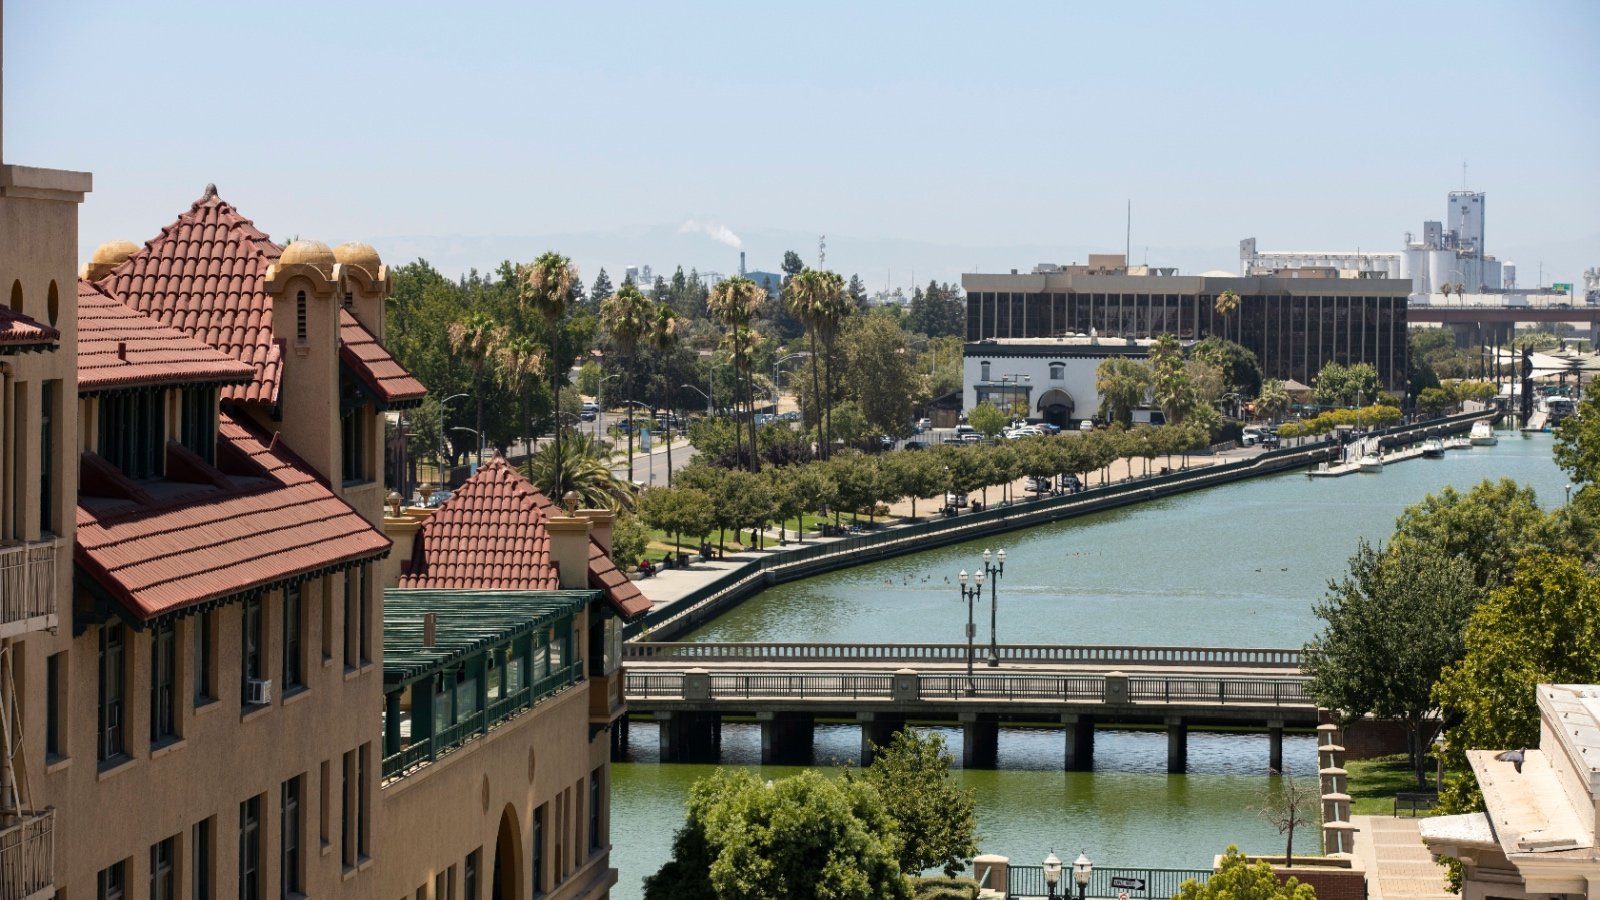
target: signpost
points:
(1131, 884)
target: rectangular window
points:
(347, 818)
(325, 804)
(443, 884)
(201, 860)
(250, 652)
(292, 609)
(197, 427)
(133, 434)
(112, 672)
(363, 804)
(594, 810)
(205, 658)
(250, 849)
(300, 316)
(112, 882)
(162, 884)
(289, 844)
(353, 445)
(325, 591)
(352, 653)
(469, 877)
(55, 719)
(47, 449)
(365, 624)
(163, 682)
(536, 864)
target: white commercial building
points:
(1043, 379)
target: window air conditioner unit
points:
(258, 691)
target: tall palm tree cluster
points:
(817, 299)
(735, 302)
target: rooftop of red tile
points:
(360, 350)
(259, 518)
(491, 535)
(120, 347)
(18, 332)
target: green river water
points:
(1238, 565)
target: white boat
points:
(1483, 434)
(1370, 462)
(1433, 448)
(1458, 443)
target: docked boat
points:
(1433, 448)
(1457, 443)
(1483, 434)
(1371, 463)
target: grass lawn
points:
(1374, 782)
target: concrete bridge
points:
(690, 688)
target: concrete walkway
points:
(1398, 864)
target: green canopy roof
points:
(467, 622)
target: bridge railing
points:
(1106, 655)
(812, 685)
(1104, 882)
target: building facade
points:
(1294, 322)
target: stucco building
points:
(1536, 837)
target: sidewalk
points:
(1398, 864)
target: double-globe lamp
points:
(1081, 869)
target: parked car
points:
(1252, 435)
(438, 498)
(964, 430)
(922, 425)
(1037, 485)
(1070, 483)
(1086, 425)
(1049, 427)
(957, 500)
(916, 445)
(968, 437)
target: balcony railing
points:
(473, 725)
(27, 860)
(27, 586)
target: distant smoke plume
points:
(722, 234)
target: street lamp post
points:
(995, 569)
(1081, 869)
(442, 430)
(1052, 873)
(475, 433)
(600, 401)
(970, 595)
(775, 364)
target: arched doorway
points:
(506, 883)
(1055, 407)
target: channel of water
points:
(1236, 565)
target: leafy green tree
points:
(934, 816)
(1239, 366)
(803, 836)
(1353, 385)
(918, 475)
(877, 375)
(857, 290)
(1538, 629)
(1273, 401)
(1123, 384)
(677, 511)
(1578, 441)
(987, 419)
(1492, 527)
(579, 464)
(1239, 879)
(1392, 625)
(630, 538)
(937, 312)
(1435, 401)
(1170, 383)
(601, 290)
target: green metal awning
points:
(466, 622)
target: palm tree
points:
(1445, 290)
(829, 311)
(473, 339)
(1122, 384)
(543, 288)
(735, 301)
(517, 361)
(664, 337)
(627, 315)
(803, 298)
(1227, 304)
(578, 464)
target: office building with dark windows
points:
(1295, 321)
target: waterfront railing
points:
(1086, 654)
(1104, 882)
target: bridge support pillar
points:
(619, 738)
(980, 740)
(1080, 742)
(786, 737)
(690, 736)
(879, 729)
(1275, 746)
(1177, 745)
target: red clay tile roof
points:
(263, 518)
(18, 332)
(491, 535)
(119, 347)
(360, 350)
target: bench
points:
(1415, 802)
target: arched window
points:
(300, 317)
(16, 297)
(983, 373)
(1058, 371)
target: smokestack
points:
(741, 263)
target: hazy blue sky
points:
(933, 137)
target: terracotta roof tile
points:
(360, 350)
(119, 347)
(17, 332)
(491, 535)
(199, 542)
